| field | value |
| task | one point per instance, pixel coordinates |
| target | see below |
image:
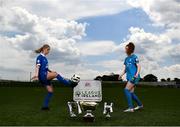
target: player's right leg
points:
(52, 75)
(127, 92)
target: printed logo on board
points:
(87, 84)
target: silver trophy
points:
(88, 108)
(108, 108)
(74, 107)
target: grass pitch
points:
(21, 106)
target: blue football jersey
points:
(43, 64)
(130, 66)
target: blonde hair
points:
(42, 48)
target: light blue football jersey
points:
(131, 66)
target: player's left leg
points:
(48, 97)
(136, 99)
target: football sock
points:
(62, 80)
(129, 98)
(47, 99)
(136, 99)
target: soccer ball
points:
(75, 78)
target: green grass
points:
(21, 106)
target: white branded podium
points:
(88, 91)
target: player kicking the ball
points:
(44, 75)
(132, 69)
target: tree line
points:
(146, 78)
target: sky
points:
(87, 37)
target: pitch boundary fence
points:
(104, 84)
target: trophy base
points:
(72, 115)
(108, 116)
(88, 119)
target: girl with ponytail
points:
(45, 75)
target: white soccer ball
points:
(75, 78)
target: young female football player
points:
(44, 75)
(132, 69)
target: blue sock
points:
(47, 99)
(129, 98)
(62, 80)
(134, 97)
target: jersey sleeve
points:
(38, 61)
(125, 62)
(125, 65)
(136, 60)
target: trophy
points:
(108, 109)
(88, 108)
(73, 108)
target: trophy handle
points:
(72, 114)
(111, 109)
(105, 105)
(70, 107)
(79, 108)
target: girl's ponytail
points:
(39, 50)
(42, 48)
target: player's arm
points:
(38, 64)
(138, 69)
(35, 77)
(123, 72)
